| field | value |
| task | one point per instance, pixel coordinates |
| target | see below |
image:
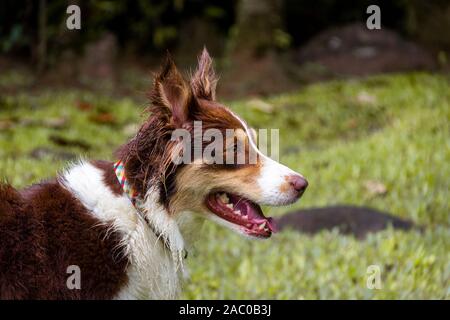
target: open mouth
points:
(242, 212)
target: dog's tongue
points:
(253, 211)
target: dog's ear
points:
(204, 80)
(172, 93)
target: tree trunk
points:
(42, 36)
(253, 63)
(256, 28)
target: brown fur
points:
(42, 232)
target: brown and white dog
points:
(84, 218)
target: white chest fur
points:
(152, 273)
(154, 270)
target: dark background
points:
(256, 38)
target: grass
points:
(390, 129)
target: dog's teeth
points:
(229, 205)
(262, 225)
(238, 212)
(248, 225)
(265, 229)
(224, 198)
(245, 217)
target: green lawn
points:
(390, 129)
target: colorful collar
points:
(129, 190)
(133, 195)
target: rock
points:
(357, 221)
(375, 188)
(67, 142)
(365, 98)
(43, 152)
(355, 50)
(260, 105)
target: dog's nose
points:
(298, 183)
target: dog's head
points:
(223, 175)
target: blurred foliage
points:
(426, 19)
(259, 28)
(140, 25)
(393, 129)
(146, 26)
